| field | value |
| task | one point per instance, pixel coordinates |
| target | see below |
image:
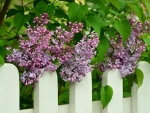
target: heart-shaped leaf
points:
(106, 95)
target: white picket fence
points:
(46, 94)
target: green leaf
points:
(106, 95)
(115, 3)
(102, 48)
(52, 26)
(20, 19)
(73, 11)
(77, 12)
(3, 51)
(2, 61)
(26, 8)
(50, 9)
(94, 21)
(77, 37)
(60, 14)
(126, 94)
(121, 4)
(123, 27)
(111, 32)
(147, 3)
(64, 97)
(11, 12)
(2, 42)
(139, 12)
(37, 1)
(11, 42)
(32, 16)
(130, 82)
(139, 77)
(25, 100)
(94, 96)
(146, 38)
(19, 7)
(99, 3)
(98, 93)
(43, 7)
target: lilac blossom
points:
(124, 56)
(79, 62)
(60, 40)
(32, 54)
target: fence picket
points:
(141, 96)
(80, 100)
(46, 94)
(9, 89)
(113, 79)
(127, 105)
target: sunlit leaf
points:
(146, 38)
(94, 21)
(123, 27)
(106, 95)
(77, 12)
(139, 77)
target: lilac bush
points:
(124, 56)
(45, 50)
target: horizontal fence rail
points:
(80, 101)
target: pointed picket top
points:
(9, 89)
(46, 94)
(141, 96)
(80, 95)
(114, 79)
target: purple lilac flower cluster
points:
(80, 57)
(44, 50)
(32, 54)
(124, 56)
(146, 27)
(60, 40)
